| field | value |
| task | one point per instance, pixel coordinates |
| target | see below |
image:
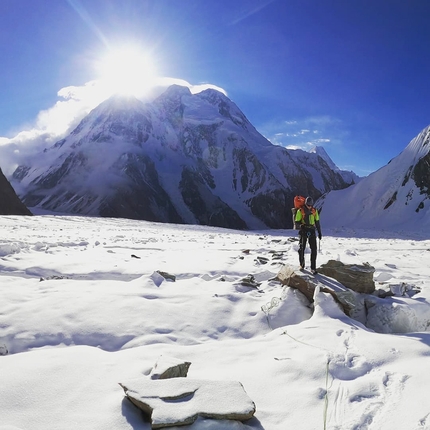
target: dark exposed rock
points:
(10, 204)
(206, 207)
(250, 281)
(421, 174)
(170, 367)
(141, 196)
(167, 276)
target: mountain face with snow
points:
(183, 158)
(10, 204)
(396, 197)
(348, 176)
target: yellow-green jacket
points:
(308, 218)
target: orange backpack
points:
(299, 202)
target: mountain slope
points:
(10, 204)
(348, 176)
(394, 197)
(183, 158)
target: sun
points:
(127, 71)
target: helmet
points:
(309, 201)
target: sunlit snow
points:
(83, 307)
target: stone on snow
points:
(169, 367)
(306, 284)
(179, 401)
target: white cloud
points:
(160, 84)
(305, 133)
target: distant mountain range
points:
(183, 158)
(396, 197)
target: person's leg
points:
(302, 247)
(313, 246)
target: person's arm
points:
(318, 225)
(298, 220)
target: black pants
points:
(305, 236)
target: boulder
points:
(306, 284)
(167, 276)
(288, 276)
(358, 278)
(250, 281)
(169, 367)
(179, 401)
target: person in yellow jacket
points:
(308, 222)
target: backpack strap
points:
(302, 210)
(313, 210)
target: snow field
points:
(82, 308)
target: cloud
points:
(305, 133)
(49, 126)
(74, 103)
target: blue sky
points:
(351, 76)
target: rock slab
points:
(356, 277)
(179, 401)
(306, 284)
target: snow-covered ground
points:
(83, 308)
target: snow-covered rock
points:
(179, 401)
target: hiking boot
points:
(314, 271)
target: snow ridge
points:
(396, 197)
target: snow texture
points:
(83, 308)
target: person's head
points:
(309, 201)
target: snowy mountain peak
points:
(119, 103)
(183, 158)
(225, 106)
(321, 152)
(397, 196)
(348, 176)
(175, 91)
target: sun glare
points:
(127, 71)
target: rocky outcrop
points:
(307, 283)
(10, 204)
(356, 277)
